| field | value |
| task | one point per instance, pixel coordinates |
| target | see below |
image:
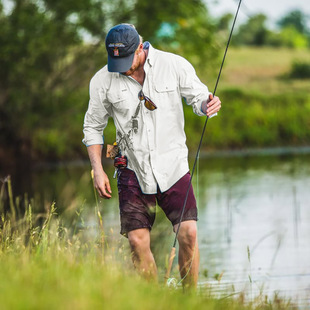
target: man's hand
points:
(211, 106)
(102, 184)
(101, 180)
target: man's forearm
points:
(94, 153)
(101, 180)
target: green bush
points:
(300, 70)
(253, 120)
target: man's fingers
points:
(213, 101)
(103, 193)
(108, 187)
(104, 190)
(106, 194)
(213, 110)
(102, 184)
(214, 105)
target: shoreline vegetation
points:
(61, 255)
(254, 121)
(262, 107)
(50, 264)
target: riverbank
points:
(253, 120)
(50, 265)
(261, 107)
(271, 151)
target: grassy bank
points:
(254, 120)
(261, 106)
(260, 70)
(48, 264)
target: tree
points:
(183, 27)
(49, 50)
(224, 22)
(293, 31)
(254, 32)
(296, 19)
(289, 37)
(44, 65)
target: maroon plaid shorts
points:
(137, 210)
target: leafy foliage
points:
(49, 50)
(254, 32)
(46, 64)
(254, 120)
(184, 28)
(300, 70)
(289, 37)
(43, 68)
(293, 31)
(296, 19)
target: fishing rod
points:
(172, 253)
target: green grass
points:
(261, 105)
(254, 120)
(260, 70)
(45, 264)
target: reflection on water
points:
(253, 224)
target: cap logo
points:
(116, 51)
(116, 45)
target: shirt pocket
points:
(165, 86)
(118, 101)
(167, 94)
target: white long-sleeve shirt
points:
(156, 150)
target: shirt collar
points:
(150, 57)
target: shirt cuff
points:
(92, 140)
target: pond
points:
(254, 226)
(254, 220)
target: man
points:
(142, 88)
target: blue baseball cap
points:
(121, 43)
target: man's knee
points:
(139, 238)
(188, 233)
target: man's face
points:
(135, 64)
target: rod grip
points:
(170, 262)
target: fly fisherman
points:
(142, 88)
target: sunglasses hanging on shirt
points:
(148, 103)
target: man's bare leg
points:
(188, 253)
(142, 257)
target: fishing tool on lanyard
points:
(171, 282)
(114, 152)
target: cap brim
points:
(120, 64)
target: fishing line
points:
(245, 9)
(172, 253)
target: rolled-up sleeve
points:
(96, 117)
(191, 88)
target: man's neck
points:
(139, 74)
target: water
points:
(254, 226)
(253, 223)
